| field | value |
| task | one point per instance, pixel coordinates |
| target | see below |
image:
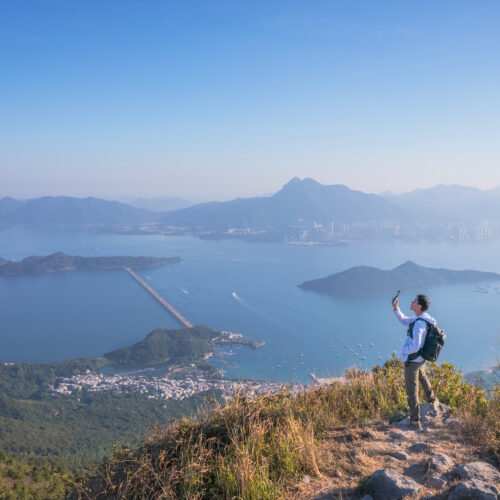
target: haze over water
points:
(241, 287)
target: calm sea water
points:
(242, 287)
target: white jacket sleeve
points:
(405, 320)
(419, 333)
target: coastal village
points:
(166, 387)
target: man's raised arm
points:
(404, 320)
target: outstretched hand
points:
(395, 304)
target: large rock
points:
(440, 462)
(399, 455)
(434, 413)
(474, 489)
(420, 448)
(435, 481)
(477, 470)
(388, 484)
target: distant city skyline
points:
(212, 101)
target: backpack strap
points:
(415, 355)
(412, 324)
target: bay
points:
(242, 287)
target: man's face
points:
(416, 307)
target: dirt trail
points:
(352, 454)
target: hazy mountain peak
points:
(409, 264)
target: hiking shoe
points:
(415, 425)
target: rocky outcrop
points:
(389, 484)
(473, 489)
(440, 463)
(481, 471)
(437, 477)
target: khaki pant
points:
(415, 373)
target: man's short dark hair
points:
(423, 302)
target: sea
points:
(248, 288)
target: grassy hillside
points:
(257, 449)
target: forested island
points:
(365, 280)
(58, 262)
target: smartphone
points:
(396, 296)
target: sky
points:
(219, 99)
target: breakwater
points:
(170, 309)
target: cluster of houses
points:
(165, 387)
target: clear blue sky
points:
(219, 99)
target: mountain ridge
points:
(297, 199)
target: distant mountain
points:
(68, 211)
(450, 203)
(159, 204)
(58, 262)
(299, 199)
(8, 205)
(364, 280)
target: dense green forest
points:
(186, 345)
(23, 480)
(78, 431)
(30, 380)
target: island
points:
(58, 262)
(365, 280)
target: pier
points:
(170, 309)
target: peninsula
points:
(181, 346)
(58, 262)
(364, 280)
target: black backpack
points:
(433, 343)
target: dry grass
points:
(482, 426)
(257, 449)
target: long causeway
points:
(170, 309)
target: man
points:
(414, 366)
